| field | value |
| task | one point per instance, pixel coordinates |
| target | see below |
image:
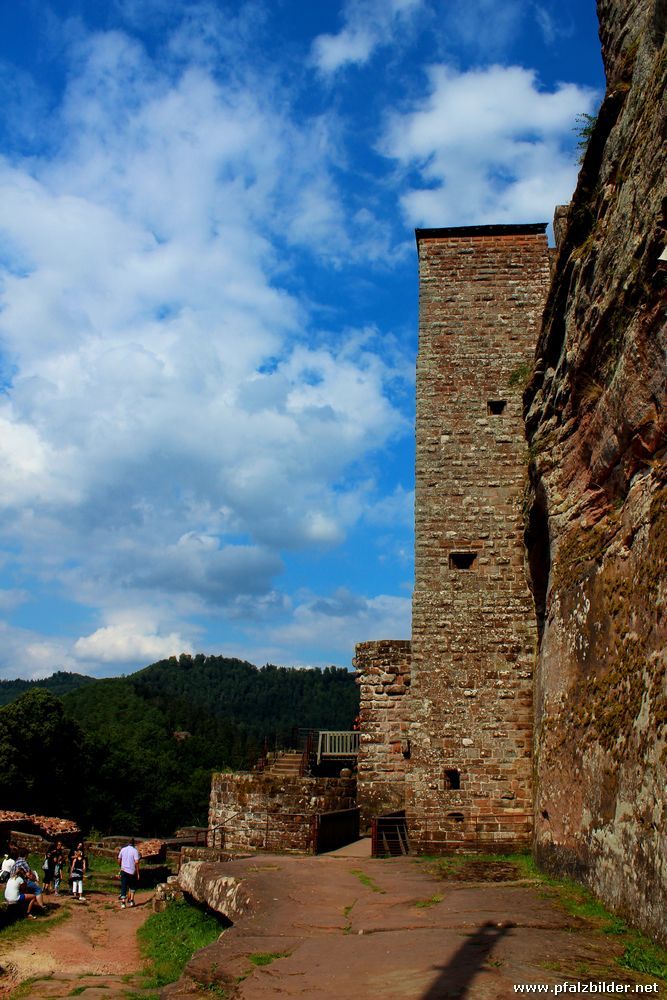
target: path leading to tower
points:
(341, 926)
(92, 953)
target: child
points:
(76, 876)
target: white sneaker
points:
(122, 906)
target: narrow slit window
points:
(462, 560)
(452, 778)
(494, 407)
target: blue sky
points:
(208, 303)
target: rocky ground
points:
(92, 954)
(341, 926)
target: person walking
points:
(128, 859)
(58, 862)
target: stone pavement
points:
(344, 926)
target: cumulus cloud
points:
(368, 25)
(489, 145)
(344, 618)
(173, 420)
(125, 644)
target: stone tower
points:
(482, 292)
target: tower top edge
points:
(454, 232)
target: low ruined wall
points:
(383, 676)
(265, 812)
(597, 527)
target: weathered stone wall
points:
(268, 813)
(482, 291)
(597, 529)
(383, 676)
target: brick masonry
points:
(482, 292)
(264, 812)
(383, 676)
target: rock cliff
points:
(596, 527)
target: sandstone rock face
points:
(597, 528)
(207, 884)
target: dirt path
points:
(93, 953)
(346, 927)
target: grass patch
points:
(23, 928)
(643, 956)
(168, 940)
(347, 910)
(266, 957)
(452, 863)
(25, 988)
(366, 880)
(423, 904)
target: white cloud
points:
(11, 598)
(124, 644)
(175, 421)
(489, 145)
(345, 618)
(368, 25)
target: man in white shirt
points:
(128, 859)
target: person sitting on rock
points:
(15, 894)
(22, 868)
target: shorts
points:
(127, 881)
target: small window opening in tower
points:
(494, 407)
(452, 777)
(462, 560)
(456, 817)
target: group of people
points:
(22, 883)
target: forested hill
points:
(135, 754)
(59, 684)
(264, 699)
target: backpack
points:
(4, 876)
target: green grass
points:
(423, 904)
(21, 930)
(445, 866)
(25, 988)
(266, 957)
(347, 910)
(169, 939)
(366, 880)
(643, 956)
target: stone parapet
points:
(266, 812)
(383, 675)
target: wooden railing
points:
(337, 743)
